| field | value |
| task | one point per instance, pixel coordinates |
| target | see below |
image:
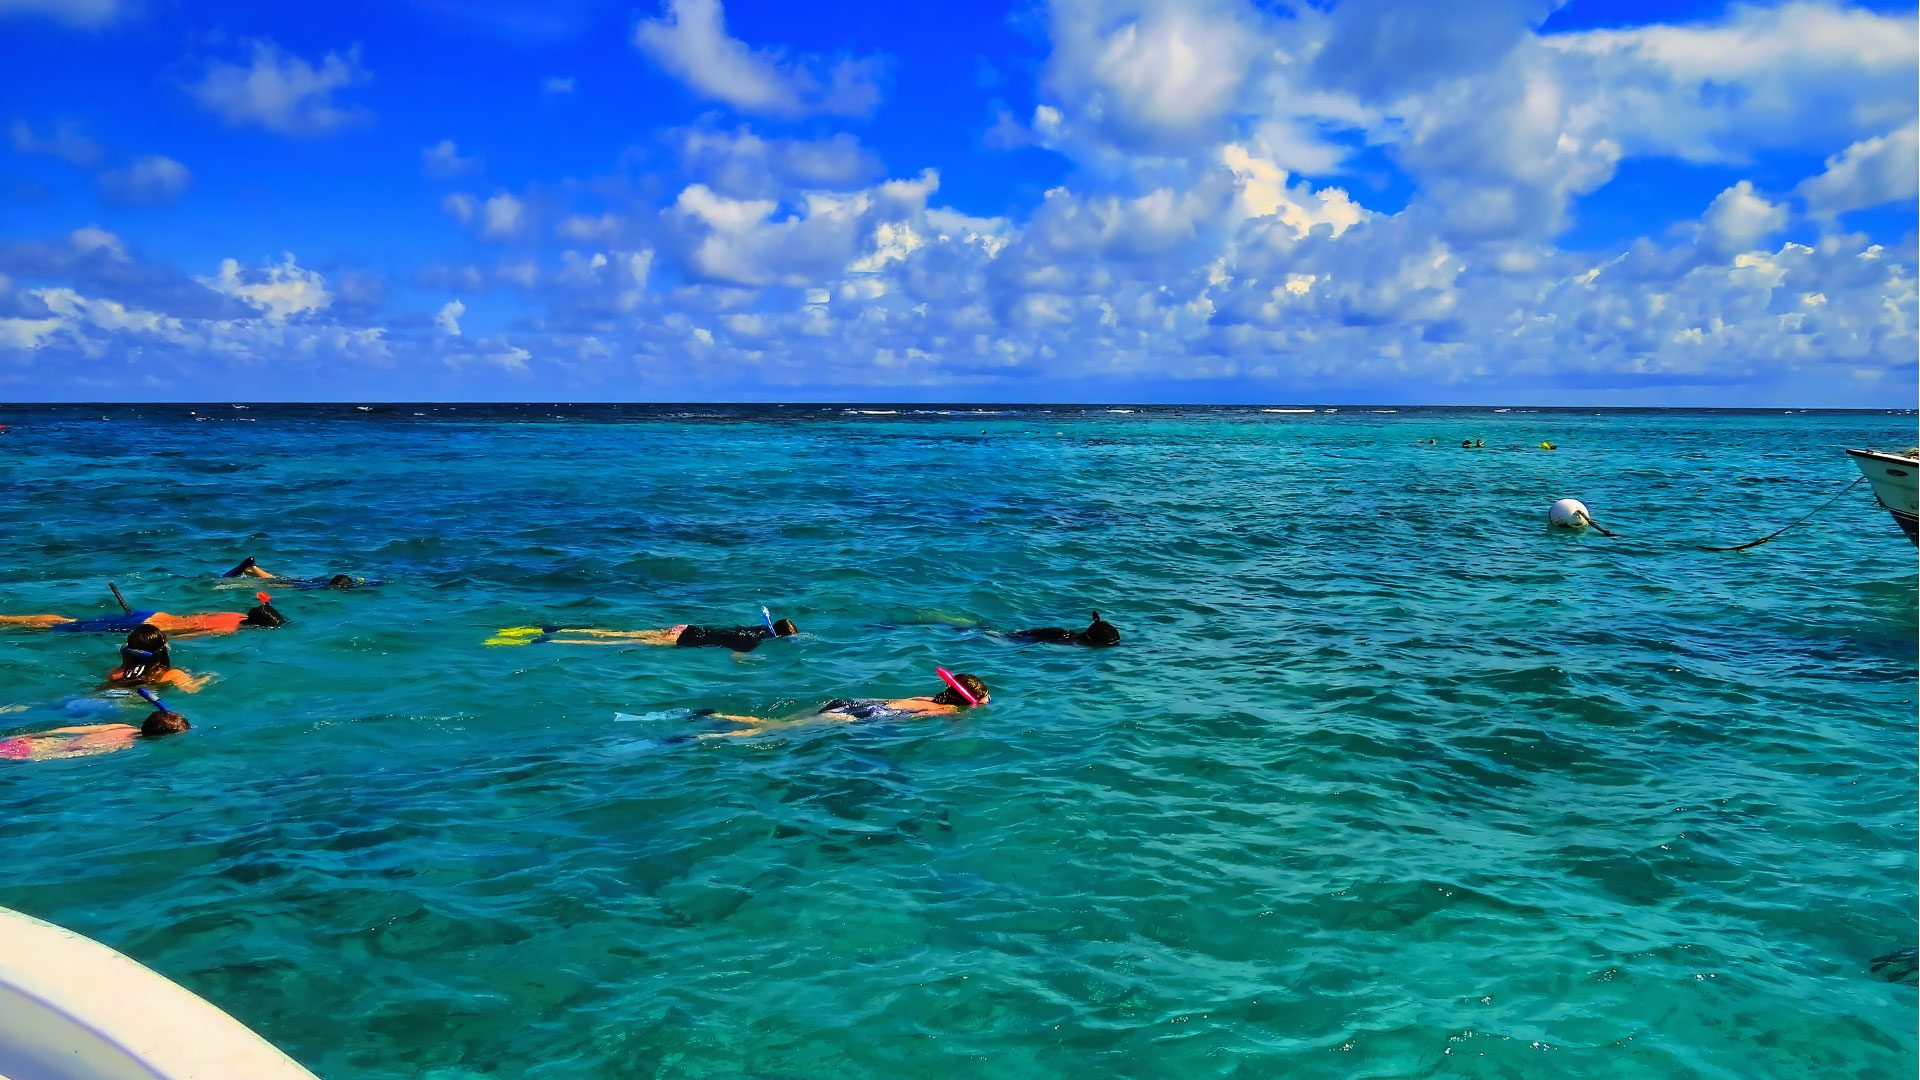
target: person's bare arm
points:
(925, 706)
(756, 725)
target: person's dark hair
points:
(145, 654)
(1100, 632)
(785, 628)
(264, 615)
(950, 696)
(339, 581)
(161, 722)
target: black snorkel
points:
(125, 609)
(246, 564)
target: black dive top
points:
(737, 638)
(1098, 633)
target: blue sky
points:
(1687, 203)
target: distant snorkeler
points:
(88, 739)
(1098, 634)
(963, 692)
(146, 660)
(262, 615)
(249, 568)
(687, 636)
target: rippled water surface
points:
(1385, 780)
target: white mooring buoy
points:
(1569, 514)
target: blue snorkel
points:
(767, 617)
(153, 699)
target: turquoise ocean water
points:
(1385, 780)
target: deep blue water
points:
(1386, 779)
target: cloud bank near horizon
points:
(1147, 199)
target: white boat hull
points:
(73, 1009)
(1896, 483)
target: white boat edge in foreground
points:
(1895, 483)
(73, 1009)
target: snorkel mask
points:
(133, 657)
(774, 625)
(265, 615)
(957, 686)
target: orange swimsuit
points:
(213, 622)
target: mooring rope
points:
(1599, 528)
(1756, 543)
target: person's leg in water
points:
(249, 568)
(580, 635)
(34, 621)
(667, 636)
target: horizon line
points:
(851, 403)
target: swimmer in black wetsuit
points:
(249, 568)
(852, 711)
(738, 638)
(1098, 634)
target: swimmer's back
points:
(861, 708)
(737, 638)
(212, 622)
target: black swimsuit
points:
(737, 638)
(859, 709)
(1052, 635)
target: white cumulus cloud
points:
(1153, 76)
(442, 160)
(1871, 172)
(65, 142)
(152, 180)
(449, 318)
(86, 14)
(280, 290)
(690, 41)
(281, 92)
(501, 217)
(1738, 220)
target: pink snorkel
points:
(947, 676)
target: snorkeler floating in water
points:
(249, 568)
(262, 615)
(87, 739)
(145, 660)
(963, 692)
(1098, 634)
(686, 636)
